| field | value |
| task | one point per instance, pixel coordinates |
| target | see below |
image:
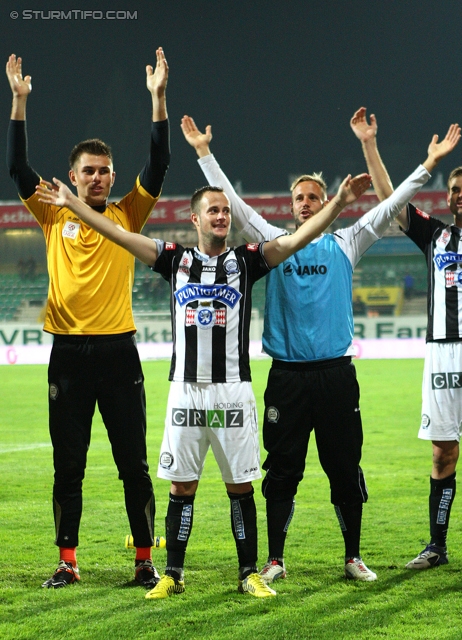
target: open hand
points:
(57, 193)
(439, 150)
(192, 134)
(361, 128)
(352, 188)
(156, 79)
(19, 86)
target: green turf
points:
(313, 602)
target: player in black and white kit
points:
(441, 419)
(308, 331)
(211, 403)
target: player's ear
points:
(72, 177)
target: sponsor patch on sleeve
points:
(422, 214)
(170, 246)
(253, 246)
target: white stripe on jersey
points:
(211, 311)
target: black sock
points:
(349, 518)
(244, 527)
(278, 516)
(178, 525)
(442, 494)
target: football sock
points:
(143, 553)
(68, 554)
(244, 527)
(349, 518)
(278, 517)
(442, 494)
(178, 525)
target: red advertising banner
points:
(274, 208)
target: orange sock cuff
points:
(143, 553)
(68, 554)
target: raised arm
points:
(367, 133)
(382, 184)
(20, 87)
(279, 249)
(246, 220)
(59, 194)
(17, 161)
(153, 173)
(199, 141)
(156, 82)
(439, 150)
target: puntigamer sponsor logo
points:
(443, 259)
(221, 292)
(451, 380)
(213, 418)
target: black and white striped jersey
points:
(211, 307)
(442, 247)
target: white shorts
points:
(223, 416)
(442, 392)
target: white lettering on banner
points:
(394, 327)
(398, 337)
(177, 210)
(385, 348)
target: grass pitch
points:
(313, 602)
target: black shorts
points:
(324, 397)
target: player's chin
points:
(96, 200)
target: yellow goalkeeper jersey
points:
(91, 278)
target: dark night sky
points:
(278, 81)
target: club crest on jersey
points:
(205, 317)
(71, 229)
(207, 292)
(442, 260)
(231, 266)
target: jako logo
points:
(305, 270)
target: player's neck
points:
(211, 249)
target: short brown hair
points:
(198, 194)
(455, 173)
(94, 147)
(311, 177)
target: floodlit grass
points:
(313, 602)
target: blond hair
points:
(311, 177)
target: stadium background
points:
(279, 85)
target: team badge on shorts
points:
(54, 391)
(425, 423)
(272, 414)
(166, 460)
